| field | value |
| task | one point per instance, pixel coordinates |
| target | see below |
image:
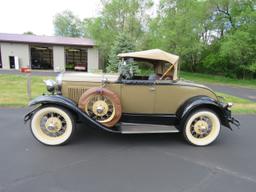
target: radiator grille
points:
(75, 93)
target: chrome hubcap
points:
(53, 124)
(100, 108)
(201, 127)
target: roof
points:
(36, 39)
(153, 54)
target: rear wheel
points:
(202, 127)
(52, 125)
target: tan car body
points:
(160, 97)
(126, 103)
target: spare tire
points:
(102, 105)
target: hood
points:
(89, 77)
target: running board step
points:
(131, 128)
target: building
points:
(47, 53)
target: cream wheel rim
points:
(202, 128)
(100, 108)
(51, 126)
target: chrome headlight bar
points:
(59, 79)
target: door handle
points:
(152, 88)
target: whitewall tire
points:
(202, 127)
(52, 125)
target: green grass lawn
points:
(13, 89)
(13, 93)
(205, 78)
(240, 105)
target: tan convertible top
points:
(154, 54)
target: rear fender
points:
(198, 102)
(58, 100)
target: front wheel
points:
(202, 127)
(52, 125)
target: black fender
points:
(205, 102)
(58, 100)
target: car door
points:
(169, 96)
(137, 96)
(166, 97)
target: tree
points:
(235, 45)
(178, 28)
(213, 36)
(28, 33)
(118, 16)
(122, 44)
(67, 24)
(210, 36)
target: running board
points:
(131, 128)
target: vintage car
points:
(129, 103)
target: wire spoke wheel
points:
(102, 105)
(52, 125)
(202, 127)
(100, 108)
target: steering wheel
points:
(127, 73)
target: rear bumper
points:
(234, 121)
(230, 121)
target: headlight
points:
(50, 85)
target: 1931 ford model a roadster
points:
(129, 104)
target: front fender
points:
(58, 100)
(51, 99)
(205, 102)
